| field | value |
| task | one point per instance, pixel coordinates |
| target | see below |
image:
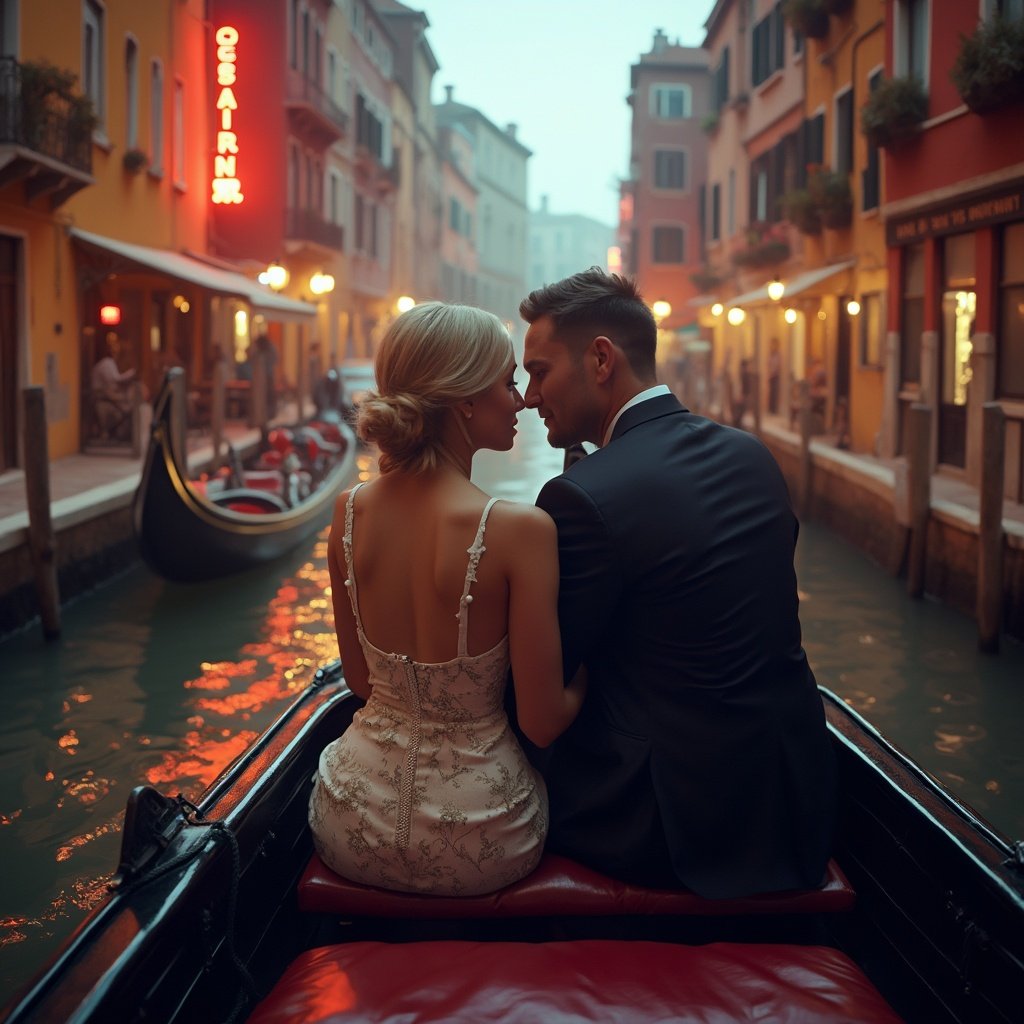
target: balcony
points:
(45, 132)
(372, 172)
(312, 113)
(307, 228)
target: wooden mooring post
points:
(41, 538)
(220, 376)
(989, 599)
(919, 486)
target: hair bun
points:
(394, 423)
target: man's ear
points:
(605, 355)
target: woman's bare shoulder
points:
(516, 518)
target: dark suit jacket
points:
(702, 740)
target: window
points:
(760, 209)
(1011, 313)
(912, 314)
(334, 197)
(669, 245)
(293, 24)
(731, 210)
(715, 217)
(8, 28)
(814, 140)
(870, 178)
(798, 43)
(178, 141)
(1010, 9)
(768, 46)
(94, 58)
(720, 83)
(670, 102)
(359, 218)
(454, 215)
(156, 116)
(911, 39)
(670, 168)
(871, 326)
(131, 93)
(842, 143)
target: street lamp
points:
(853, 307)
(321, 283)
(661, 309)
(275, 276)
(776, 289)
(736, 316)
(717, 309)
(790, 316)
(405, 303)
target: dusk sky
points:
(560, 70)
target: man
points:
(700, 758)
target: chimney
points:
(448, 90)
(510, 129)
(660, 41)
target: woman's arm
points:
(545, 706)
(357, 675)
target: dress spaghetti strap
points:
(474, 551)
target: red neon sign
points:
(226, 185)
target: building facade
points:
(564, 243)
(459, 195)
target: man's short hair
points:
(596, 302)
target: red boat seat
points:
(558, 886)
(560, 982)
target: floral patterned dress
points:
(428, 790)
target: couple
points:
(647, 607)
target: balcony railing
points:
(49, 124)
(309, 226)
(315, 108)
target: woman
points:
(428, 790)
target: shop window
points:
(669, 245)
(871, 331)
(912, 314)
(1010, 383)
(670, 168)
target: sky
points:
(560, 70)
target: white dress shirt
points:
(643, 396)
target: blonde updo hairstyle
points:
(431, 357)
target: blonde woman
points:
(437, 590)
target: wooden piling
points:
(220, 376)
(258, 390)
(989, 599)
(41, 538)
(804, 404)
(919, 485)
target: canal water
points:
(165, 684)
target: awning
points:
(800, 283)
(214, 279)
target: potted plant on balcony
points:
(808, 17)
(799, 208)
(47, 98)
(710, 123)
(706, 279)
(832, 198)
(766, 246)
(894, 111)
(135, 160)
(989, 69)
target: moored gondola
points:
(187, 536)
(221, 907)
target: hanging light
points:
(717, 309)
(853, 307)
(275, 276)
(776, 289)
(321, 284)
(736, 316)
(790, 316)
(405, 303)
(110, 316)
(661, 309)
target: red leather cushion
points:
(562, 982)
(557, 886)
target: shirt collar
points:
(643, 396)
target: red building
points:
(660, 213)
(955, 235)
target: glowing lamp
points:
(110, 316)
(321, 284)
(853, 307)
(661, 309)
(405, 303)
(275, 275)
(736, 316)
(776, 289)
(821, 314)
(790, 316)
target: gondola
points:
(187, 536)
(220, 911)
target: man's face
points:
(560, 389)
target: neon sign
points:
(226, 186)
